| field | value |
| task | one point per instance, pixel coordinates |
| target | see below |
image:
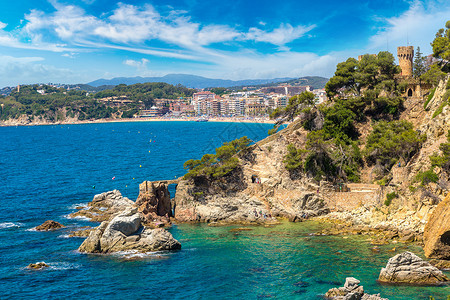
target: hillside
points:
(190, 81)
(375, 157)
(316, 82)
(44, 104)
(262, 182)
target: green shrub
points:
(430, 96)
(293, 160)
(426, 177)
(214, 166)
(273, 130)
(389, 198)
(443, 160)
(390, 141)
(439, 109)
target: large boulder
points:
(436, 235)
(408, 268)
(49, 225)
(124, 232)
(103, 206)
(351, 291)
(154, 202)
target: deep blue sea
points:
(46, 171)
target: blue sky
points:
(79, 41)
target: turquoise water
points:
(46, 171)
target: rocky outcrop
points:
(257, 191)
(437, 232)
(37, 266)
(103, 206)
(441, 264)
(408, 268)
(402, 224)
(124, 232)
(351, 291)
(153, 202)
(253, 203)
(49, 225)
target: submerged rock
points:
(103, 206)
(82, 232)
(351, 291)
(124, 232)
(408, 268)
(49, 225)
(38, 266)
(436, 235)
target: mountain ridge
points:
(188, 80)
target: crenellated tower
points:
(405, 59)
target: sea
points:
(48, 171)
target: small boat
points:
(201, 119)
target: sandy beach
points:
(26, 122)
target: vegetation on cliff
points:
(441, 44)
(390, 142)
(439, 161)
(359, 90)
(214, 166)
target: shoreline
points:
(100, 121)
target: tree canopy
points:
(419, 64)
(390, 141)
(214, 166)
(441, 43)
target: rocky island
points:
(125, 225)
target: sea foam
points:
(6, 225)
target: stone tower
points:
(405, 59)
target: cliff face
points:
(420, 199)
(237, 198)
(437, 232)
(258, 191)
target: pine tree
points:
(419, 64)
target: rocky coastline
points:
(260, 191)
(127, 225)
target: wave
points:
(56, 266)
(82, 218)
(63, 266)
(76, 205)
(134, 254)
(6, 225)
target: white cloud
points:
(129, 24)
(132, 24)
(70, 29)
(25, 70)
(139, 64)
(416, 26)
(282, 64)
(280, 36)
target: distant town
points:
(164, 100)
(254, 103)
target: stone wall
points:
(359, 194)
